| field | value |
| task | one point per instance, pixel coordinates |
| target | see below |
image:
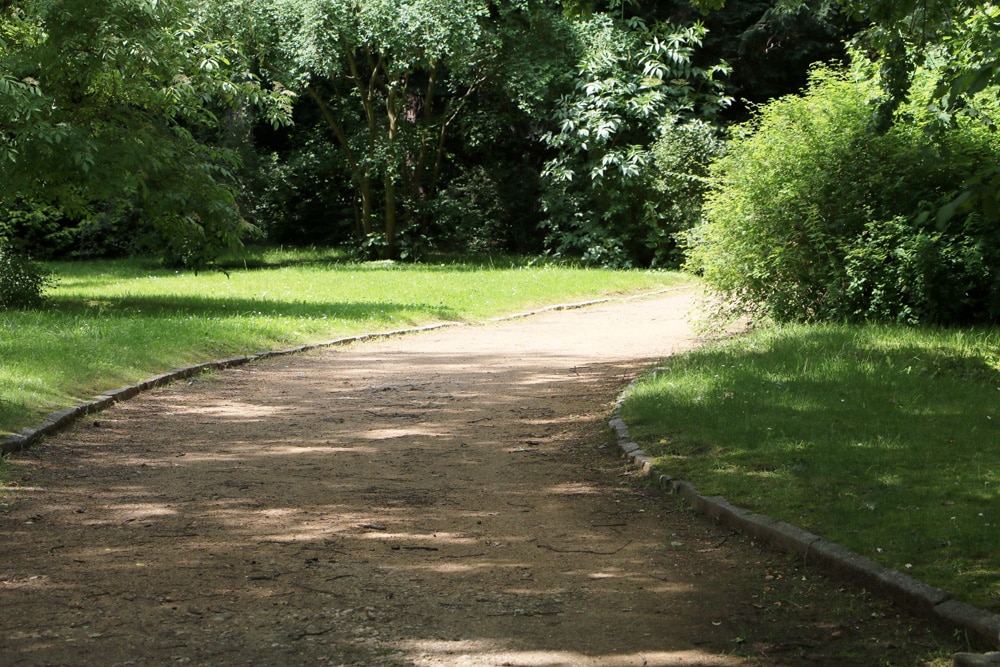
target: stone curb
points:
(60, 419)
(911, 593)
(976, 660)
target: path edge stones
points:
(903, 589)
(64, 417)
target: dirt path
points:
(446, 498)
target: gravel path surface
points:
(452, 497)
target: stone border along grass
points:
(60, 419)
(901, 588)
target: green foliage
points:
(388, 78)
(115, 102)
(385, 127)
(22, 282)
(905, 35)
(771, 45)
(960, 39)
(299, 195)
(40, 228)
(681, 158)
(899, 270)
(599, 193)
(473, 213)
(817, 217)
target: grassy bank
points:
(883, 439)
(111, 323)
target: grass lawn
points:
(116, 322)
(883, 439)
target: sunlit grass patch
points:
(114, 322)
(883, 439)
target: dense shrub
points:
(471, 213)
(681, 158)
(300, 198)
(101, 230)
(22, 282)
(607, 191)
(640, 215)
(41, 228)
(815, 216)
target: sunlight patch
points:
(244, 411)
(481, 653)
(574, 489)
(391, 433)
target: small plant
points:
(22, 282)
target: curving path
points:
(452, 497)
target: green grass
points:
(115, 322)
(883, 439)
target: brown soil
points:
(446, 498)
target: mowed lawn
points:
(884, 439)
(114, 322)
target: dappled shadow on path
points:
(384, 504)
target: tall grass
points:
(113, 322)
(884, 439)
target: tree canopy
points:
(586, 129)
(903, 34)
(114, 103)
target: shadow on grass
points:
(883, 439)
(263, 260)
(204, 306)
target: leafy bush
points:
(681, 157)
(815, 216)
(299, 198)
(41, 227)
(106, 230)
(22, 282)
(469, 214)
(899, 270)
(635, 86)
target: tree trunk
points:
(392, 112)
(361, 177)
(390, 251)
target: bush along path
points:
(450, 497)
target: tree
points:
(901, 35)
(633, 83)
(389, 78)
(769, 45)
(115, 101)
(490, 186)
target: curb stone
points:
(976, 660)
(60, 419)
(911, 593)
